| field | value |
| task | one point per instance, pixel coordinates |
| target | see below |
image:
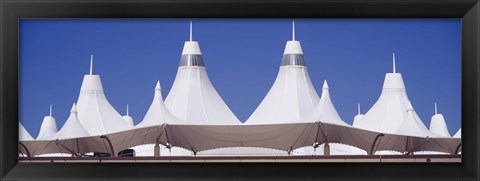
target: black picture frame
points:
(11, 11)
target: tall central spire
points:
(293, 30)
(394, 68)
(358, 108)
(436, 108)
(51, 110)
(191, 31)
(127, 110)
(91, 64)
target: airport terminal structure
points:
(292, 122)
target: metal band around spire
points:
(191, 60)
(293, 59)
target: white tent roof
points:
(458, 134)
(438, 125)
(95, 113)
(48, 128)
(292, 95)
(128, 118)
(390, 110)
(23, 134)
(192, 97)
(158, 114)
(413, 126)
(325, 112)
(358, 117)
(72, 127)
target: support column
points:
(156, 150)
(326, 149)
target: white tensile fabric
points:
(438, 124)
(95, 113)
(292, 95)
(284, 137)
(158, 114)
(48, 128)
(358, 117)
(390, 110)
(243, 151)
(325, 111)
(335, 149)
(413, 126)
(393, 112)
(193, 98)
(146, 150)
(72, 127)
(23, 134)
(458, 134)
(128, 118)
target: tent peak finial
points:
(436, 108)
(50, 110)
(394, 66)
(91, 64)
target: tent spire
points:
(50, 110)
(325, 84)
(127, 109)
(91, 64)
(157, 87)
(436, 108)
(191, 31)
(358, 108)
(293, 30)
(394, 68)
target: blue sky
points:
(242, 57)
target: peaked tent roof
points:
(23, 134)
(192, 97)
(413, 126)
(438, 125)
(390, 110)
(95, 113)
(358, 117)
(325, 112)
(158, 113)
(292, 95)
(48, 127)
(128, 118)
(72, 127)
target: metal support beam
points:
(156, 148)
(26, 149)
(326, 149)
(372, 149)
(109, 144)
(458, 149)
